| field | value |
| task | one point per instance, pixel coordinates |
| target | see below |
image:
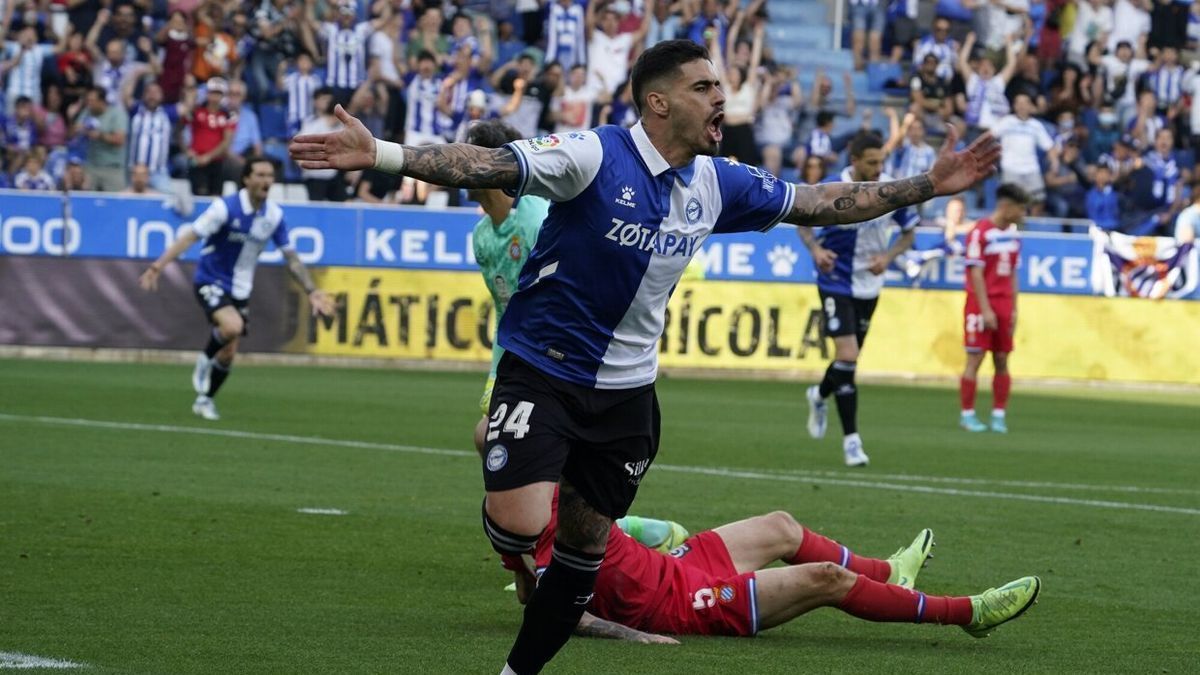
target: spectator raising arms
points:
(741, 89)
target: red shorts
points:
(976, 338)
(707, 596)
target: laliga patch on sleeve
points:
(543, 142)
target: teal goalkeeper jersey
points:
(501, 253)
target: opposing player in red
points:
(718, 583)
(990, 315)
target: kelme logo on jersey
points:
(497, 457)
(543, 142)
(646, 239)
(626, 198)
(694, 211)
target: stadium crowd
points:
(1091, 99)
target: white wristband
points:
(389, 157)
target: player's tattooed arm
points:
(591, 626)
(461, 165)
(298, 271)
(839, 203)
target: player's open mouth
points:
(714, 127)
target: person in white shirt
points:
(1006, 22)
(1121, 74)
(1021, 136)
(574, 105)
(609, 51)
(1093, 21)
(986, 101)
(1131, 23)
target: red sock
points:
(1001, 384)
(966, 393)
(874, 601)
(815, 548)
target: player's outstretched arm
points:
(592, 626)
(149, 279)
(840, 203)
(353, 148)
(318, 300)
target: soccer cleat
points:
(818, 412)
(999, 425)
(204, 407)
(971, 423)
(678, 535)
(202, 374)
(907, 562)
(852, 448)
(1000, 605)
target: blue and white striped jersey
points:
(150, 136)
(25, 77)
(300, 90)
(234, 235)
(564, 31)
(345, 54)
(423, 116)
(591, 299)
(855, 244)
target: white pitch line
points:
(700, 470)
(987, 481)
(18, 661)
(322, 512)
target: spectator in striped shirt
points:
(345, 49)
(1165, 79)
(22, 62)
(941, 46)
(565, 38)
(907, 152)
(113, 69)
(300, 85)
(151, 128)
(421, 126)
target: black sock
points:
(555, 607)
(220, 371)
(845, 393)
(827, 384)
(214, 344)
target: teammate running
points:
(851, 261)
(990, 315)
(574, 400)
(235, 230)
(502, 240)
(718, 583)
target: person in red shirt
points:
(990, 315)
(212, 133)
(718, 583)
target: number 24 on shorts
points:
(516, 424)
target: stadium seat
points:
(880, 74)
(272, 118)
(295, 193)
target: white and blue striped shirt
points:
(421, 95)
(300, 88)
(110, 77)
(819, 144)
(910, 160)
(946, 53)
(565, 43)
(345, 54)
(150, 136)
(1166, 83)
(25, 78)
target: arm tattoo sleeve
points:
(462, 165)
(840, 203)
(590, 626)
(299, 272)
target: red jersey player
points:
(718, 583)
(990, 315)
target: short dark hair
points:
(23, 100)
(1013, 193)
(824, 117)
(99, 91)
(865, 141)
(662, 60)
(425, 54)
(248, 167)
(492, 134)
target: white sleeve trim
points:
(212, 219)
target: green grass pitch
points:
(142, 548)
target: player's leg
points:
(976, 340)
(230, 325)
(785, 593)
(480, 432)
(754, 543)
(1001, 385)
(614, 440)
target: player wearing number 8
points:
(990, 314)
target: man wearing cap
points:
(213, 126)
(477, 111)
